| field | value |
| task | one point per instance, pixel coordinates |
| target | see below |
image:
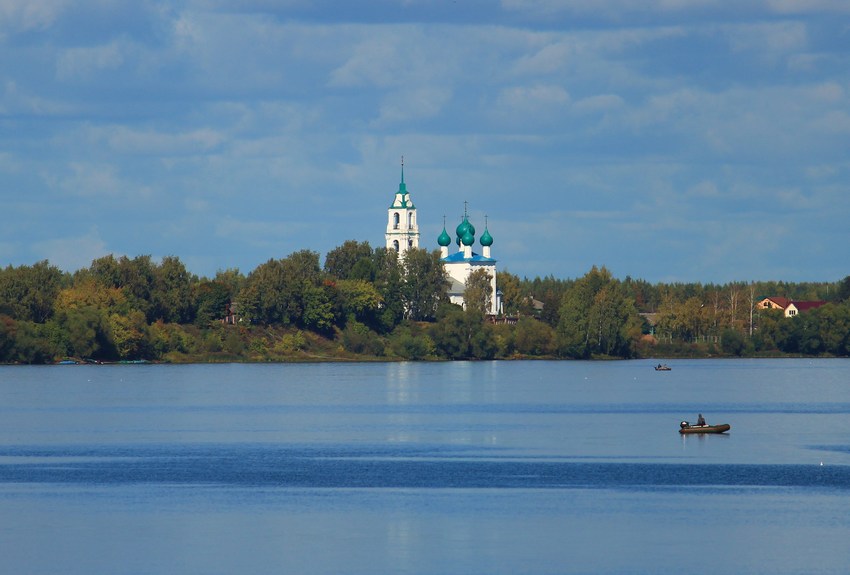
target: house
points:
(789, 307)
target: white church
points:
(403, 234)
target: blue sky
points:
(668, 140)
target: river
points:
(467, 468)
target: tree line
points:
(370, 303)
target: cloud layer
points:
(667, 140)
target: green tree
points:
(596, 316)
(88, 333)
(478, 295)
(351, 260)
(359, 299)
(86, 291)
(106, 271)
(232, 279)
(288, 292)
(32, 345)
(410, 342)
(843, 290)
(389, 283)
(463, 334)
(533, 337)
(514, 299)
(172, 291)
(211, 298)
(318, 310)
(129, 335)
(732, 342)
(425, 284)
(27, 293)
(8, 328)
(833, 324)
(138, 277)
(358, 338)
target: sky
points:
(667, 140)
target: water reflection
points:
(456, 468)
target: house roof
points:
(801, 306)
(807, 305)
(782, 302)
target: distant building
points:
(461, 264)
(403, 234)
(789, 307)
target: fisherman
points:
(700, 419)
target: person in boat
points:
(700, 419)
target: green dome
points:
(486, 238)
(463, 230)
(444, 240)
(462, 227)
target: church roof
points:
(458, 257)
(402, 196)
(486, 238)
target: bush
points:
(732, 342)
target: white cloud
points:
(80, 63)
(8, 163)
(704, 189)
(16, 101)
(413, 104)
(131, 141)
(91, 180)
(197, 205)
(630, 121)
(374, 62)
(769, 42)
(26, 15)
(531, 98)
(547, 60)
(72, 253)
(599, 103)
(835, 122)
(622, 10)
(797, 7)
(257, 232)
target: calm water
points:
(466, 468)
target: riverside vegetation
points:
(369, 304)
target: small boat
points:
(686, 427)
(661, 367)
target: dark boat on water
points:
(660, 367)
(686, 427)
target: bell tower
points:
(402, 227)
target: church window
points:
(395, 221)
(395, 245)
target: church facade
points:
(403, 234)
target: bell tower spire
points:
(402, 228)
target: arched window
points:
(410, 243)
(410, 220)
(395, 221)
(395, 245)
